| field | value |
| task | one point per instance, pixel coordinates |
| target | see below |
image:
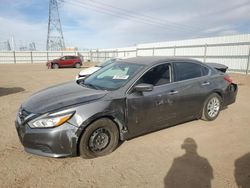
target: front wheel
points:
(211, 108)
(55, 66)
(99, 139)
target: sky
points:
(92, 24)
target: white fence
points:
(233, 51)
(31, 56)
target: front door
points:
(148, 111)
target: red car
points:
(65, 61)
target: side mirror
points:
(144, 87)
(78, 80)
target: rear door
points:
(69, 61)
(193, 86)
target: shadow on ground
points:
(189, 170)
(8, 91)
(242, 171)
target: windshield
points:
(113, 76)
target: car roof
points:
(148, 60)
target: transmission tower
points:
(5, 46)
(55, 39)
(32, 46)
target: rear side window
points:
(70, 57)
(187, 70)
(205, 71)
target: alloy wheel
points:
(213, 107)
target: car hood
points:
(54, 60)
(60, 96)
(89, 71)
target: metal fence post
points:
(153, 51)
(97, 55)
(31, 57)
(47, 55)
(91, 56)
(248, 60)
(205, 53)
(14, 54)
(136, 52)
(174, 51)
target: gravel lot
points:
(154, 160)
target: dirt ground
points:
(158, 159)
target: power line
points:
(144, 16)
(127, 17)
(164, 21)
(146, 19)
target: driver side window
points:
(158, 75)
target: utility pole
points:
(55, 40)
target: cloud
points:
(112, 23)
(148, 21)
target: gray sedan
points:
(120, 101)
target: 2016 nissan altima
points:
(120, 101)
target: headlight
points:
(53, 121)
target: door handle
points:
(173, 92)
(205, 83)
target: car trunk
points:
(220, 67)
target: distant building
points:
(70, 49)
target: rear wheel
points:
(77, 65)
(211, 107)
(99, 139)
(55, 66)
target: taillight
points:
(228, 79)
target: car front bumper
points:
(51, 142)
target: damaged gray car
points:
(123, 100)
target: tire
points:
(212, 107)
(77, 65)
(55, 66)
(100, 138)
